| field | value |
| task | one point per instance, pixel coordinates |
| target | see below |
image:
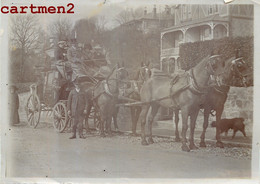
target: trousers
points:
(77, 123)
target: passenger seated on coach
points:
(60, 51)
(73, 53)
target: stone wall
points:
(240, 104)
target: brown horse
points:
(215, 98)
(184, 95)
(104, 97)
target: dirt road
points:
(42, 152)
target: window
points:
(206, 32)
(210, 10)
(189, 12)
(171, 65)
(213, 9)
(186, 12)
(216, 8)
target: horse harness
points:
(192, 84)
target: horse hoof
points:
(185, 148)
(177, 139)
(150, 141)
(144, 142)
(193, 147)
(102, 135)
(203, 145)
(134, 134)
(220, 144)
(88, 131)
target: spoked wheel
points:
(33, 110)
(60, 116)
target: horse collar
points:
(194, 85)
(220, 91)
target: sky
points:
(86, 8)
(108, 8)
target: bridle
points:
(194, 84)
(209, 66)
(142, 75)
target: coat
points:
(73, 55)
(77, 103)
(59, 53)
(13, 107)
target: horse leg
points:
(218, 130)
(89, 106)
(185, 116)
(154, 111)
(133, 118)
(193, 119)
(142, 118)
(135, 112)
(108, 125)
(115, 119)
(205, 126)
(101, 125)
(176, 117)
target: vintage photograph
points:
(130, 90)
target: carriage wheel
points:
(60, 116)
(33, 110)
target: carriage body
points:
(54, 83)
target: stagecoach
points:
(54, 82)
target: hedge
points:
(192, 53)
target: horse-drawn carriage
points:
(54, 83)
(180, 92)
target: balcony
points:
(170, 52)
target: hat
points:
(61, 42)
(13, 87)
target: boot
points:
(74, 133)
(81, 134)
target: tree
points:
(128, 15)
(61, 29)
(24, 37)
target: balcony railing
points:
(170, 52)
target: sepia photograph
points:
(116, 89)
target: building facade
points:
(203, 22)
(156, 19)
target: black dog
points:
(235, 124)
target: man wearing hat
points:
(60, 51)
(13, 105)
(77, 108)
(73, 53)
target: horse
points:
(182, 93)
(214, 99)
(133, 92)
(104, 97)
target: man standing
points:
(13, 106)
(77, 109)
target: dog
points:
(235, 124)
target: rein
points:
(220, 91)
